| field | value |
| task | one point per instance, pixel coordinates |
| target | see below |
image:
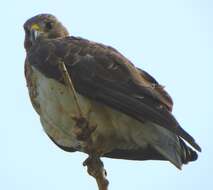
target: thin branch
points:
(95, 168)
(70, 85)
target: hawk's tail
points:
(187, 153)
(169, 145)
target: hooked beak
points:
(35, 32)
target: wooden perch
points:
(95, 168)
(83, 131)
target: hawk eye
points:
(49, 25)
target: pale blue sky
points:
(171, 39)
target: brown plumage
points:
(106, 78)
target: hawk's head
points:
(43, 26)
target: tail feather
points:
(169, 145)
(187, 153)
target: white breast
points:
(57, 106)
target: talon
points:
(105, 173)
(87, 161)
(77, 131)
(80, 121)
(82, 128)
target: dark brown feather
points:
(162, 94)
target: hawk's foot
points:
(82, 128)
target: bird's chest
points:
(56, 106)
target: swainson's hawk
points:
(131, 110)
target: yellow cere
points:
(35, 27)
